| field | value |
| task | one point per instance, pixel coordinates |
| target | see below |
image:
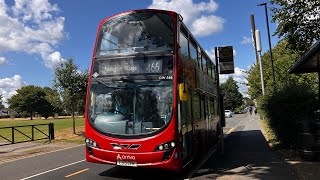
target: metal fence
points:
(15, 130)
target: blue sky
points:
(36, 35)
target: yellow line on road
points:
(77, 172)
(230, 130)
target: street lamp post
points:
(271, 58)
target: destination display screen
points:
(134, 66)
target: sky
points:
(37, 35)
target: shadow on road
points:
(140, 173)
(247, 156)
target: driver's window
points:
(108, 41)
(103, 103)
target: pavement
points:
(18, 151)
(247, 155)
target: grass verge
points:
(67, 135)
(305, 170)
(63, 126)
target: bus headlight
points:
(166, 146)
(91, 143)
(173, 144)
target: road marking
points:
(230, 130)
(53, 169)
(78, 172)
(37, 154)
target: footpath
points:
(249, 156)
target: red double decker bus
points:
(153, 95)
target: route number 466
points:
(153, 67)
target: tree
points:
(31, 99)
(1, 105)
(290, 100)
(71, 83)
(232, 96)
(53, 97)
(284, 58)
(298, 21)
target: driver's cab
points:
(123, 106)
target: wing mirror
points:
(183, 92)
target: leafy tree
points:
(71, 83)
(298, 21)
(1, 105)
(53, 97)
(31, 99)
(249, 102)
(232, 96)
(284, 58)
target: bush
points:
(239, 110)
(286, 108)
(4, 116)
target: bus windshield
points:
(129, 108)
(136, 32)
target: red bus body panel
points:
(145, 156)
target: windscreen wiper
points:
(142, 85)
(106, 85)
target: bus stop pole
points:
(220, 101)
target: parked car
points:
(228, 113)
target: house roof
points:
(308, 62)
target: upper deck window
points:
(136, 32)
(184, 47)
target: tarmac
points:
(253, 159)
(18, 151)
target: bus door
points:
(186, 128)
(207, 119)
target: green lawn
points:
(59, 124)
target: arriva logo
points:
(125, 157)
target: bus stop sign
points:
(226, 61)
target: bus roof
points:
(138, 10)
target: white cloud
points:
(53, 59)
(239, 72)
(246, 40)
(198, 16)
(2, 60)
(207, 25)
(34, 10)
(234, 53)
(240, 77)
(8, 87)
(31, 26)
(223, 78)
(211, 54)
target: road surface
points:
(247, 156)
